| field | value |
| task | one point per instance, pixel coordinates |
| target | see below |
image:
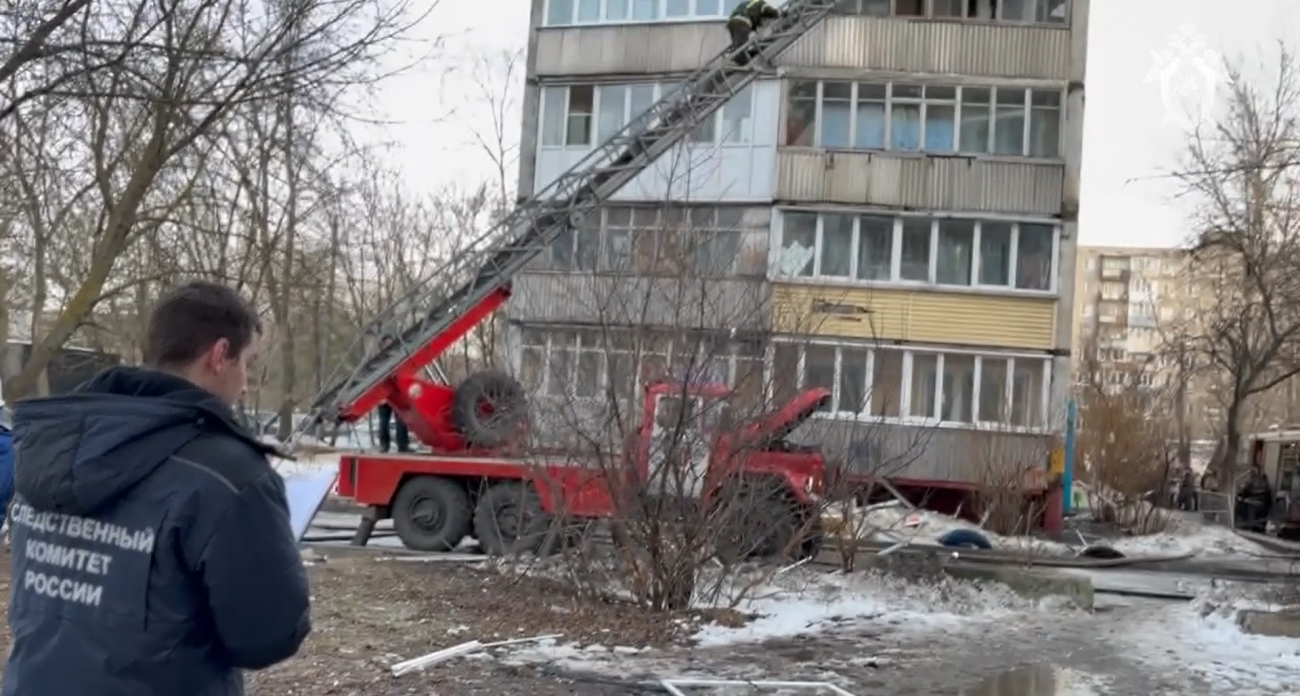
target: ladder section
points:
(491, 260)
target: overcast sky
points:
(1130, 139)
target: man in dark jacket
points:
(151, 541)
(385, 413)
(748, 17)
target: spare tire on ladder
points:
(488, 408)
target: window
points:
(700, 241)
(993, 390)
(958, 389)
(588, 11)
(976, 119)
(836, 246)
(559, 12)
(1039, 11)
(1018, 11)
(737, 118)
(571, 116)
(837, 114)
(951, 387)
(1044, 123)
(799, 245)
(869, 122)
(613, 111)
(956, 253)
(941, 251)
(886, 383)
(824, 246)
(596, 364)
(940, 118)
(1029, 378)
(1009, 122)
(915, 265)
(925, 382)
(866, 8)
(1034, 257)
(903, 117)
(995, 253)
(875, 247)
(563, 12)
(567, 115)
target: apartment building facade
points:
(1131, 306)
(890, 213)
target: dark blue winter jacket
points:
(151, 544)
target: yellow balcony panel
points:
(914, 316)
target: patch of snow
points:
(1189, 536)
(1205, 640)
(801, 602)
(893, 523)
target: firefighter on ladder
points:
(748, 17)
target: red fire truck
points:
(478, 481)
(478, 478)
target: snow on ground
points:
(1186, 536)
(802, 602)
(1203, 638)
(890, 522)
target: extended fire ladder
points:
(493, 258)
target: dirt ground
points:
(368, 614)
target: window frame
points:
(660, 13)
(929, 14)
(606, 344)
(977, 421)
(956, 102)
(720, 135)
(660, 219)
(776, 251)
(695, 15)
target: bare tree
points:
(1242, 173)
(138, 95)
(1126, 424)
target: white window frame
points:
(719, 136)
(955, 103)
(929, 14)
(896, 251)
(660, 14)
(656, 226)
(584, 342)
(977, 421)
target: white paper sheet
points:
(306, 491)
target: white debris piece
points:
(463, 649)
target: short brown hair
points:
(190, 318)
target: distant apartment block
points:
(891, 213)
(1131, 305)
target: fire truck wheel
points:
(488, 408)
(431, 514)
(762, 522)
(509, 519)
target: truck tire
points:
(509, 519)
(431, 514)
(761, 521)
(488, 408)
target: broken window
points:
(798, 244)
